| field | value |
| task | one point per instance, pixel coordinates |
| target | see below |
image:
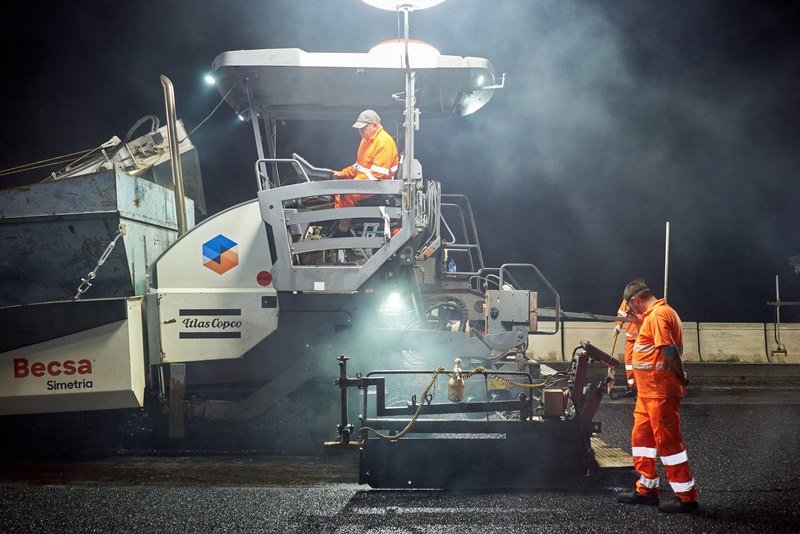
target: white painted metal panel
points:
(97, 369)
(214, 325)
(239, 239)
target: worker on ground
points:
(377, 160)
(631, 332)
(661, 381)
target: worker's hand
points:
(617, 329)
(684, 380)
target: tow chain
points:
(438, 370)
(436, 373)
(86, 283)
(478, 370)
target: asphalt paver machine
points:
(257, 301)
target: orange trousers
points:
(657, 430)
(348, 201)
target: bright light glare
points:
(394, 303)
(241, 117)
(420, 53)
(210, 80)
(480, 80)
(397, 5)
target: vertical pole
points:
(271, 128)
(257, 134)
(345, 429)
(408, 150)
(777, 313)
(175, 156)
(177, 390)
(666, 263)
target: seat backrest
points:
(314, 173)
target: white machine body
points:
(212, 291)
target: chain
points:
(478, 370)
(438, 370)
(86, 283)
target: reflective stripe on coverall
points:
(377, 160)
(657, 418)
(631, 331)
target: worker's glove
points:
(617, 329)
(684, 379)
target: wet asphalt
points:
(744, 450)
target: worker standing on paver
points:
(661, 383)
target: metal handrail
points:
(544, 280)
(259, 175)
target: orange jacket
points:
(377, 159)
(631, 329)
(631, 332)
(661, 326)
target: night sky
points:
(617, 116)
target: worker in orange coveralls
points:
(631, 331)
(377, 160)
(661, 381)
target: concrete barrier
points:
(702, 342)
(732, 342)
(545, 347)
(691, 343)
(790, 343)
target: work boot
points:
(629, 393)
(678, 507)
(634, 497)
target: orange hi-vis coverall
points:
(631, 331)
(377, 160)
(657, 416)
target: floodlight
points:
(420, 53)
(400, 5)
(394, 303)
(210, 80)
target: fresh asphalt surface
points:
(743, 447)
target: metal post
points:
(257, 134)
(345, 429)
(408, 150)
(271, 128)
(175, 156)
(666, 262)
(777, 313)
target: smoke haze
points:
(616, 117)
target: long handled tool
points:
(611, 375)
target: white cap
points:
(367, 116)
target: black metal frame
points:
(467, 453)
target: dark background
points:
(617, 116)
